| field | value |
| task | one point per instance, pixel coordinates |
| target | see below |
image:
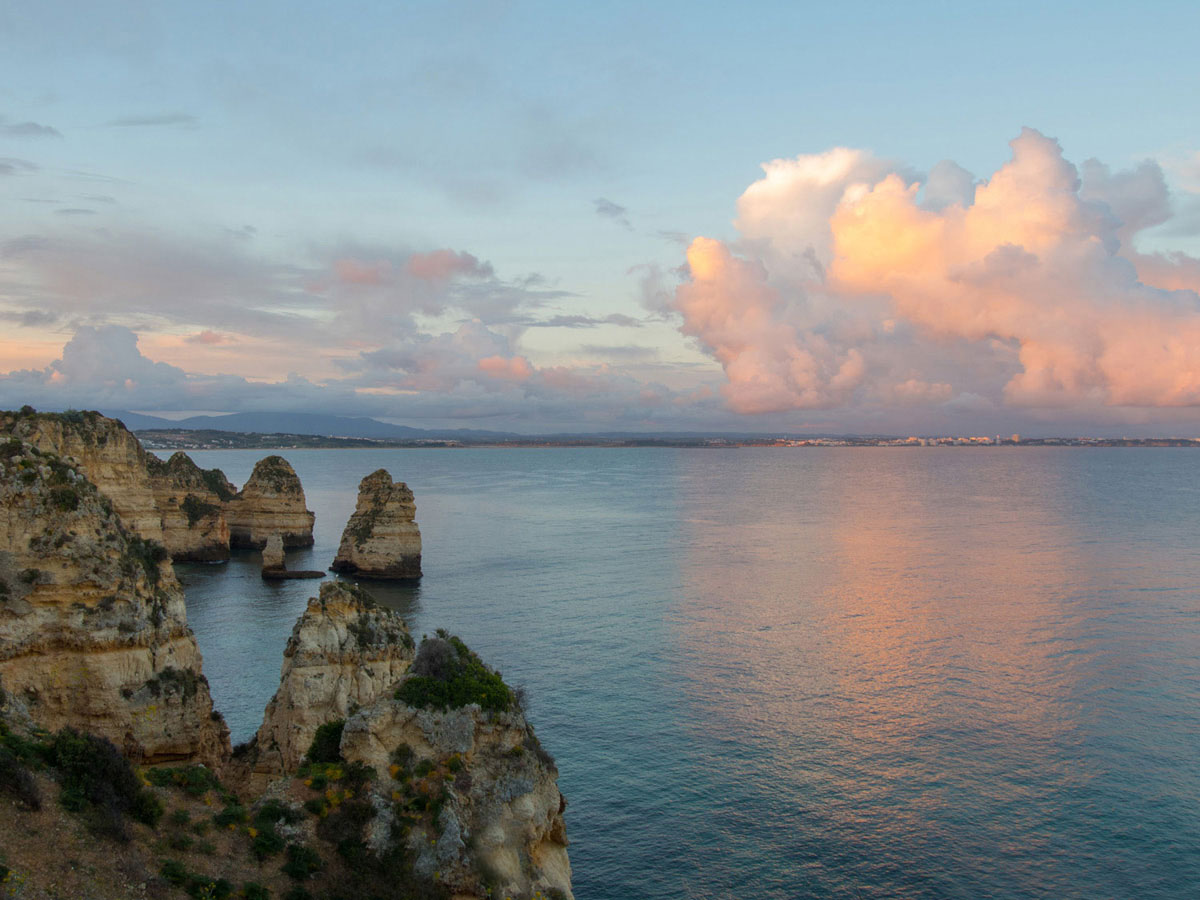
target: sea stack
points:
(191, 502)
(381, 540)
(272, 501)
(345, 652)
(93, 631)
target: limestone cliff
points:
(479, 806)
(190, 503)
(382, 539)
(93, 632)
(272, 501)
(345, 652)
(105, 451)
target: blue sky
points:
(185, 163)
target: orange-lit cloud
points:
(855, 284)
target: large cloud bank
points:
(856, 283)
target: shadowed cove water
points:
(827, 673)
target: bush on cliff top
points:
(447, 674)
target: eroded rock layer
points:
(190, 502)
(105, 451)
(272, 501)
(382, 539)
(496, 827)
(93, 631)
(344, 653)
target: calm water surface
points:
(809, 673)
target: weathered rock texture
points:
(272, 555)
(272, 501)
(345, 652)
(382, 539)
(497, 826)
(93, 632)
(105, 451)
(190, 502)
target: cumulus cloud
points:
(855, 282)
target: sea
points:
(804, 672)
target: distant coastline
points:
(213, 439)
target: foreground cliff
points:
(478, 806)
(93, 632)
(382, 539)
(271, 502)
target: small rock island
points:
(381, 540)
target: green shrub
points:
(233, 814)
(195, 781)
(274, 811)
(174, 872)
(17, 781)
(196, 509)
(266, 843)
(302, 862)
(99, 782)
(446, 674)
(326, 743)
(180, 842)
(252, 890)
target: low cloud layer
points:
(859, 284)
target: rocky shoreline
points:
(381, 768)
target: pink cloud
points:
(515, 368)
(359, 272)
(854, 285)
(208, 337)
(440, 265)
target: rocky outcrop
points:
(272, 556)
(344, 653)
(93, 632)
(105, 451)
(382, 539)
(452, 731)
(190, 503)
(271, 502)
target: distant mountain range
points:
(304, 423)
(361, 427)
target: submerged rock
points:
(191, 502)
(93, 630)
(271, 502)
(382, 539)
(344, 653)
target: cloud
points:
(153, 121)
(857, 284)
(11, 166)
(29, 318)
(440, 265)
(606, 209)
(209, 337)
(26, 130)
(75, 211)
(582, 321)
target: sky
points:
(915, 218)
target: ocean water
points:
(957, 673)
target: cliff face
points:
(93, 632)
(344, 653)
(190, 501)
(382, 539)
(106, 452)
(272, 501)
(495, 824)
